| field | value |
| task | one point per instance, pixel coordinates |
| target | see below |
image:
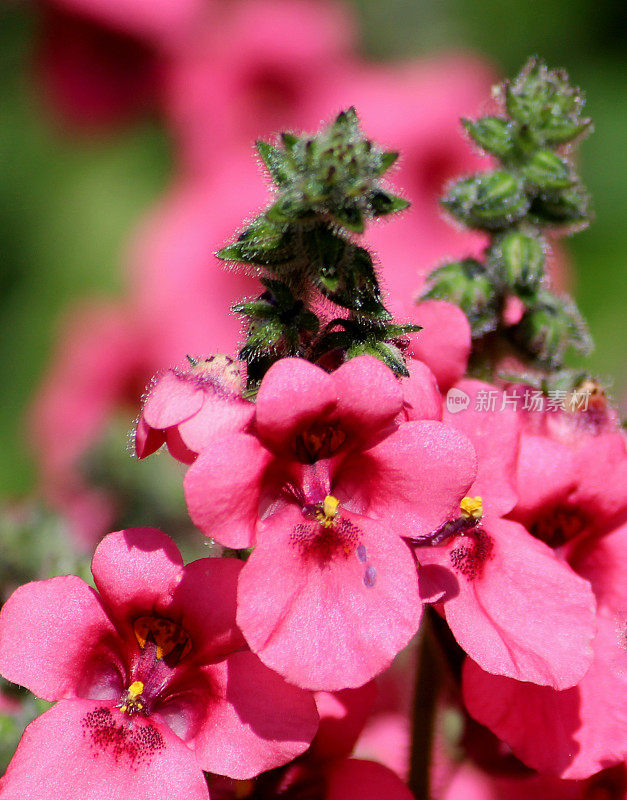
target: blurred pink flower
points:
(101, 364)
(153, 679)
(101, 61)
(262, 67)
(471, 783)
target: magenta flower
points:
(327, 771)
(573, 498)
(152, 676)
(444, 341)
(187, 408)
(325, 492)
(471, 783)
(513, 606)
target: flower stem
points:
(426, 689)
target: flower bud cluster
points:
(328, 185)
(532, 192)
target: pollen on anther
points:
(135, 690)
(471, 507)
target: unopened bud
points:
(495, 135)
(516, 260)
(546, 171)
(466, 284)
(491, 201)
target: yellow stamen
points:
(326, 515)
(131, 704)
(471, 507)
(329, 506)
(135, 689)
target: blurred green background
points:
(67, 204)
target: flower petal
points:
(147, 440)
(223, 487)
(79, 749)
(369, 396)
(422, 398)
(328, 624)
(256, 720)
(572, 733)
(218, 417)
(343, 715)
(353, 779)
(495, 436)
(519, 610)
(443, 344)
(204, 601)
(133, 569)
(412, 481)
(55, 639)
(293, 394)
(171, 400)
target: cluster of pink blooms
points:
(223, 73)
(362, 500)
(358, 502)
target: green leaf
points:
(386, 160)
(275, 162)
(382, 203)
(232, 252)
(558, 131)
(289, 140)
(349, 217)
(347, 119)
(384, 351)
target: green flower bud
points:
(466, 284)
(495, 135)
(516, 260)
(567, 207)
(543, 100)
(549, 329)
(547, 171)
(490, 201)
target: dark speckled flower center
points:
(319, 441)
(170, 640)
(559, 525)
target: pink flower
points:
(325, 492)
(572, 496)
(326, 771)
(444, 342)
(102, 61)
(153, 680)
(471, 783)
(234, 85)
(513, 606)
(187, 408)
